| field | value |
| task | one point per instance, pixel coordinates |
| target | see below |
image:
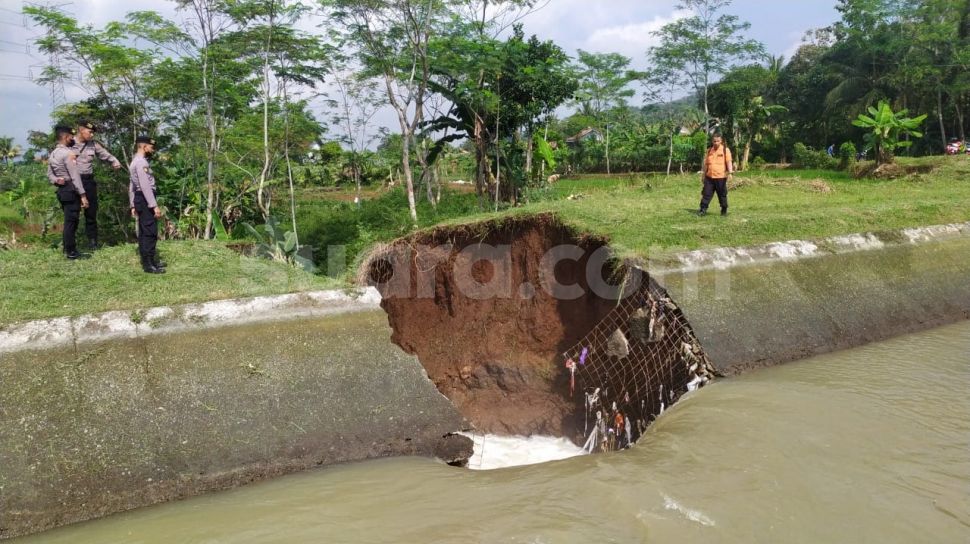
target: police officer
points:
(87, 148)
(63, 173)
(141, 197)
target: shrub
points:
(699, 143)
(807, 158)
(758, 163)
(847, 154)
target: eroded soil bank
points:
(478, 306)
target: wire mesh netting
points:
(638, 361)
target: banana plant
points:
(280, 246)
(886, 128)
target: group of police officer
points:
(70, 168)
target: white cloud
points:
(632, 40)
(798, 40)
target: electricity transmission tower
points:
(55, 69)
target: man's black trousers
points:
(91, 212)
(710, 187)
(71, 204)
(147, 229)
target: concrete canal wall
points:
(780, 302)
(102, 414)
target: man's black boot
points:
(701, 213)
(152, 269)
(72, 255)
(93, 245)
(723, 212)
(149, 267)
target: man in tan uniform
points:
(87, 148)
(141, 198)
(718, 167)
(62, 171)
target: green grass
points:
(647, 216)
(9, 218)
(40, 283)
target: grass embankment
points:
(644, 216)
(39, 283)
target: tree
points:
(391, 38)
(934, 58)
(757, 117)
(8, 151)
(869, 44)
(355, 105)
(207, 22)
(885, 129)
(740, 101)
(105, 65)
(604, 85)
(536, 79)
(695, 49)
(498, 91)
(670, 114)
(285, 55)
(467, 69)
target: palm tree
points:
(757, 118)
(775, 64)
(8, 150)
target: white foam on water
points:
(719, 258)
(693, 515)
(695, 384)
(857, 242)
(926, 234)
(791, 250)
(492, 451)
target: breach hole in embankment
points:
(530, 328)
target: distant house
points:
(585, 135)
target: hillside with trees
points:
(233, 92)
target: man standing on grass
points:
(144, 207)
(87, 148)
(62, 171)
(718, 167)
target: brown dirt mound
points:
(496, 358)
(889, 171)
(819, 186)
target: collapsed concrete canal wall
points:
(100, 414)
(473, 303)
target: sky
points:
(622, 26)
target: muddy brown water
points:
(865, 445)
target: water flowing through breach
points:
(479, 306)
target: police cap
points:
(64, 129)
(145, 140)
(88, 125)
